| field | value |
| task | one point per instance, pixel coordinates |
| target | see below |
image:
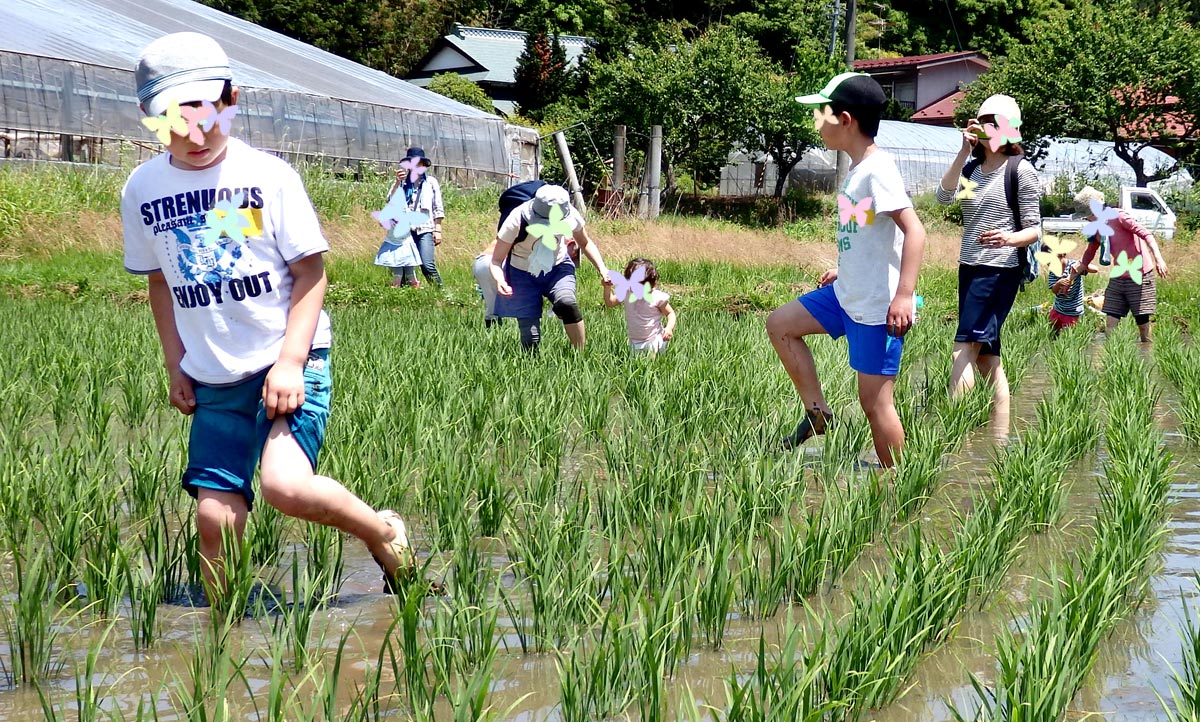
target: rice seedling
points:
(146, 593)
(32, 622)
(784, 685)
(1044, 658)
(1177, 362)
(105, 567)
(630, 518)
(325, 554)
(212, 670)
(88, 698)
(1185, 697)
(715, 589)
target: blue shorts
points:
(230, 427)
(528, 290)
(872, 350)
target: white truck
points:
(1142, 204)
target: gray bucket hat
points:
(184, 67)
(548, 197)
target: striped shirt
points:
(1072, 303)
(989, 210)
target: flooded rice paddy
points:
(97, 669)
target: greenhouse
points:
(67, 93)
(923, 152)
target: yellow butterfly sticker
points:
(1051, 259)
(169, 122)
(824, 116)
(1124, 264)
(966, 188)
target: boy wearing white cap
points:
(233, 253)
(534, 239)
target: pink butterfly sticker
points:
(414, 167)
(1103, 215)
(1002, 132)
(860, 212)
(195, 119)
(222, 119)
(629, 289)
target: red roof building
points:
(929, 85)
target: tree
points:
(388, 35)
(456, 87)
(700, 92)
(1115, 72)
(780, 126)
(542, 76)
(705, 94)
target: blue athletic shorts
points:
(528, 290)
(230, 427)
(872, 350)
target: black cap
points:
(858, 90)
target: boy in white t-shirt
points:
(233, 252)
(869, 296)
(649, 318)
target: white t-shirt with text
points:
(869, 253)
(231, 298)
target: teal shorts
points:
(230, 427)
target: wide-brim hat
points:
(547, 198)
(857, 90)
(180, 67)
(418, 153)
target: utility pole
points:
(834, 18)
(655, 170)
(843, 160)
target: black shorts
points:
(985, 297)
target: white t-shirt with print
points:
(524, 247)
(231, 298)
(643, 317)
(869, 253)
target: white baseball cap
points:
(1000, 105)
(184, 67)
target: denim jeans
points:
(429, 266)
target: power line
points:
(953, 25)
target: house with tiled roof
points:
(487, 56)
(928, 85)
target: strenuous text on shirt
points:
(187, 205)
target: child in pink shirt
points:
(1124, 295)
(649, 320)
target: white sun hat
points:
(999, 105)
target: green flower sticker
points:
(549, 233)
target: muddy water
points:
(1133, 665)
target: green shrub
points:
(456, 87)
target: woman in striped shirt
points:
(989, 273)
